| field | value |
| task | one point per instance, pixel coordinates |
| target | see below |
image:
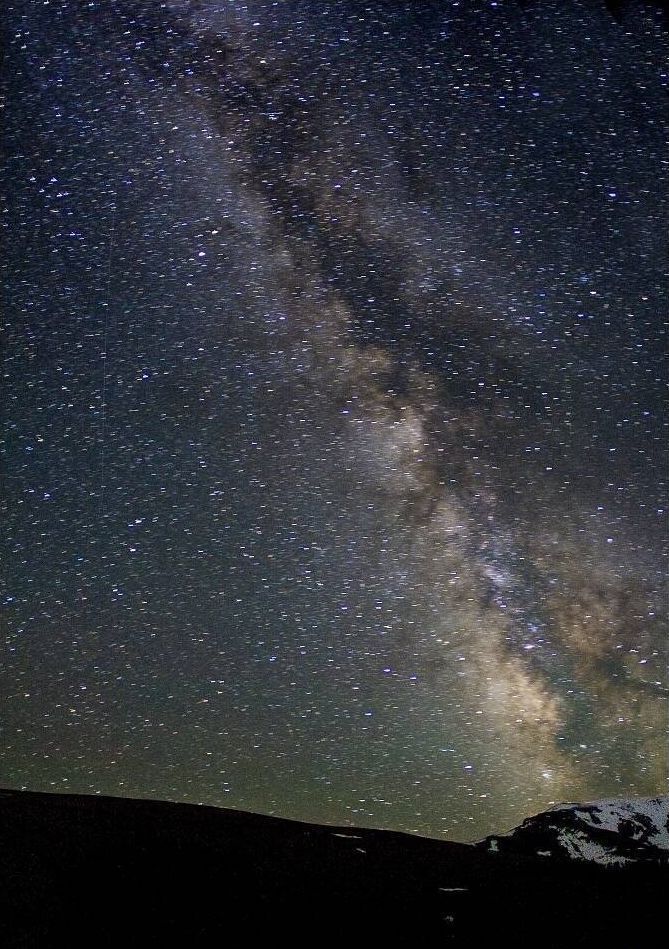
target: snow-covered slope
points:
(613, 832)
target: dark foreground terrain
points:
(92, 871)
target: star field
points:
(334, 438)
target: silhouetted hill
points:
(93, 871)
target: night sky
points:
(333, 423)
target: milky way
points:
(333, 424)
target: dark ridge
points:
(96, 871)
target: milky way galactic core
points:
(334, 439)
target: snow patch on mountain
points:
(608, 832)
(645, 819)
